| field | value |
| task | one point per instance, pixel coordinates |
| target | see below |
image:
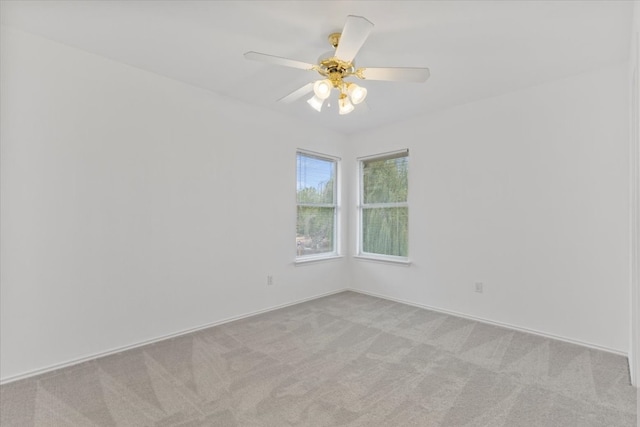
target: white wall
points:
(527, 193)
(134, 206)
(634, 155)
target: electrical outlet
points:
(479, 287)
(269, 280)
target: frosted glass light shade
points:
(315, 102)
(322, 88)
(357, 93)
(345, 106)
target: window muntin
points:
(383, 207)
(317, 206)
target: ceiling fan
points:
(336, 66)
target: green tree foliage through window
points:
(384, 212)
(316, 197)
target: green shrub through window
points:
(316, 204)
(383, 208)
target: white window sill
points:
(384, 260)
(314, 260)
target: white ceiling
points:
(474, 49)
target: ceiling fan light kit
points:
(344, 104)
(322, 88)
(316, 103)
(357, 93)
(334, 67)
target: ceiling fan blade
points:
(276, 60)
(399, 74)
(297, 94)
(355, 32)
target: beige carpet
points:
(343, 360)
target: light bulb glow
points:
(322, 88)
(316, 103)
(357, 93)
(345, 105)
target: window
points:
(383, 208)
(317, 206)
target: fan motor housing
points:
(336, 69)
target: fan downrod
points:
(334, 39)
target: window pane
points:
(315, 230)
(316, 180)
(316, 183)
(385, 231)
(385, 181)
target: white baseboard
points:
(50, 368)
(632, 371)
(492, 322)
(254, 313)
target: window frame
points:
(361, 206)
(336, 253)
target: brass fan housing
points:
(333, 68)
